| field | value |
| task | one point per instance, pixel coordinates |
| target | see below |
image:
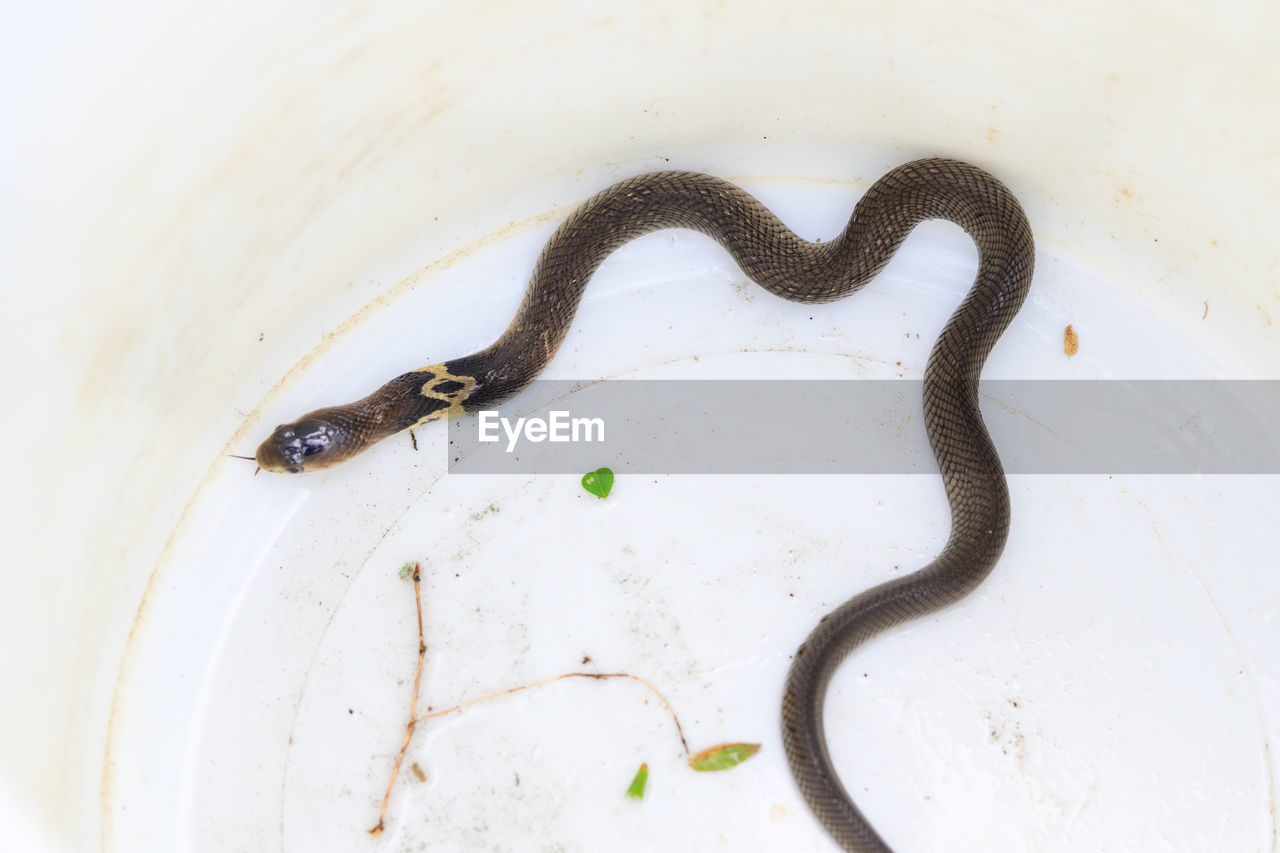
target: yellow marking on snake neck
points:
(454, 398)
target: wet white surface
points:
(1113, 683)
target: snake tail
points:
(974, 480)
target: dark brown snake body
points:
(782, 263)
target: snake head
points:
(310, 444)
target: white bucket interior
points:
(227, 220)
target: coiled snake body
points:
(782, 263)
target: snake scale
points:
(784, 264)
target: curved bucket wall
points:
(217, 221)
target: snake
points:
(774, 257)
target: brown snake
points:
(782, 263)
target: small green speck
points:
(599, 482)
(406, 572)
(636, 790)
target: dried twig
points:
(414, 719)
(545, 682)
(413, 703)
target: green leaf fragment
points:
(406, 571)
(636, 789)
(723, 756)
(599, 482)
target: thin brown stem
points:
(545, 682)
(414, 719)
(413, 703)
